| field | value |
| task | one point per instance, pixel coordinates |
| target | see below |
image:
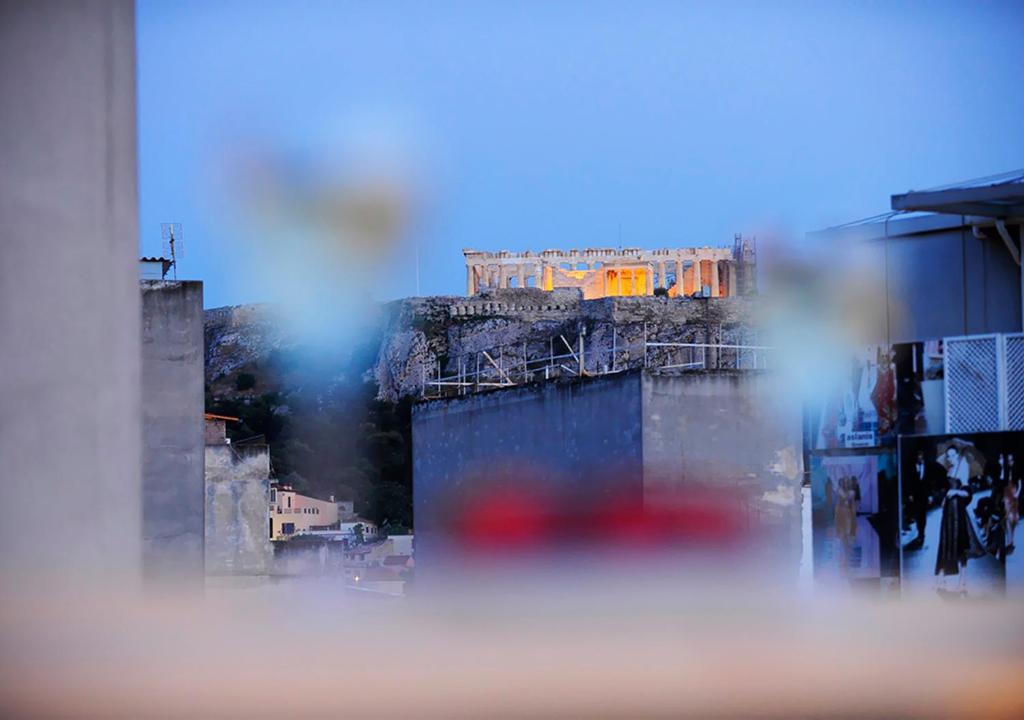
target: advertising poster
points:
(855, 519)
(960, 507)
(887, 391)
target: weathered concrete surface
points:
(237, 504)
(172, 430)
(573, 437)
(732, 431)
(639, 438)
(69, 298)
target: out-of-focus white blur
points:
(330, 223)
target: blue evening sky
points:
(559, 125)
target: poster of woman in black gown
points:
(958, 540)
(957, 513)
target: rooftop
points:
(995, 196)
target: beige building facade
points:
(293, 514)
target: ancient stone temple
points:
(606, 272)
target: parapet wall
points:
(640, 438)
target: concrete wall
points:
(172, 428)
(69, 299)
(237, 509)
(635, 437)
(733, 432)
(562, 437)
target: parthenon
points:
(608, 272)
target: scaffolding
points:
(561, 356)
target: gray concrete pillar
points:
(70, 328)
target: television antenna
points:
(173, 245)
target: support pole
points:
(614, 348)
(645, 344)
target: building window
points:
(273, 496)
(289, 501)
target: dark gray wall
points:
(566, 436)
(941, 280)
(948, 282)
(69, 296)
(172, 430)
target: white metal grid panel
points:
(1013, 347)
(973, 380)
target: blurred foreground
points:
(566, 642)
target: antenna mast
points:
(173, 244)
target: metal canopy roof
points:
(987, 197)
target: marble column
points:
(698, 277)
(549, 277)
(538, 276)
(714, 279)
(470, 280)
(689, 286)
(661, 274)
(733, 290)
(679, 278)
(521, 275)
(650, 279)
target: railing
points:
(511, 365)
(744, 357)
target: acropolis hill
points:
(415, 338)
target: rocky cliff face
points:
(417, 338)
(519, 328)
(240, 335)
